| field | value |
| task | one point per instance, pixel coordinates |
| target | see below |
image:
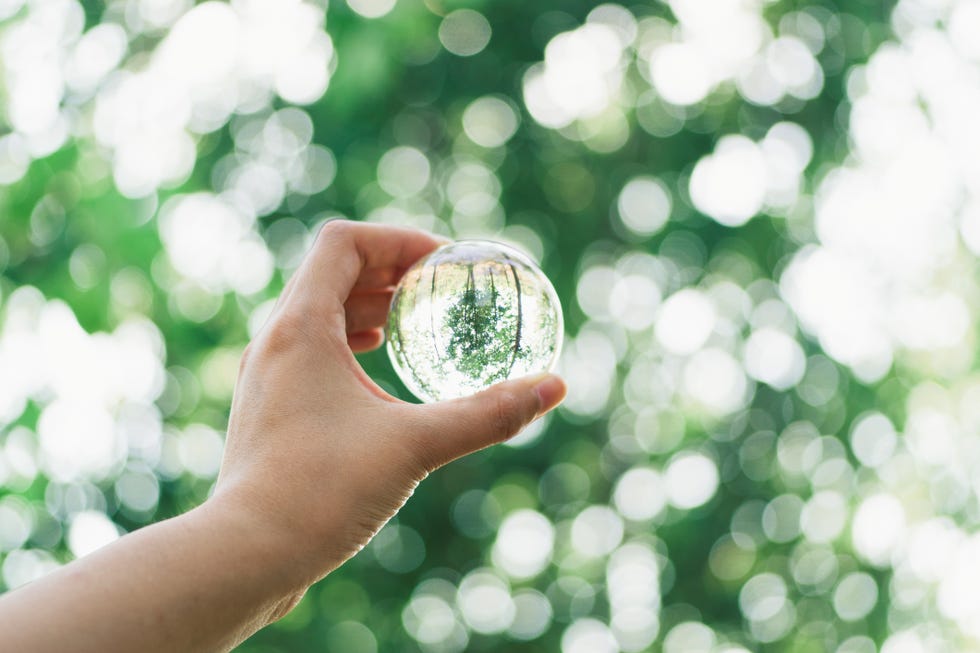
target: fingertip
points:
(551, 390)
(365, 341)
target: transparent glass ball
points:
(471, 314)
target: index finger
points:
(345, 251)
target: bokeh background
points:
(763, 221)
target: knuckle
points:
(338, 229)
(284, 332)
(423, 456)
(508, 416)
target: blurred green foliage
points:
(394, 85)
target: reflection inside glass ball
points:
(469, 315)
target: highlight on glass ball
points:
(470, 314)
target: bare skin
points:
(317, 459)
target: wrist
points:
(296, 550)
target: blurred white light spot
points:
(714, 379)
(958, 582)
(524, 544)
(633, 577)
(14, 158)
(763, 600)
(928, 323)
(257, 187)
(78, 440)
(429, 619)
(588, 636)
(905, 642)
(857, 644)
(16, 523)
(398, 548)
(596, 531)
(306, 78)
(138, 490)
(403, 171)
(249, 268)
(24, 566)
(685, 321)
(592, 290)
(372, 8)
(855, 596)
(618, 17)
(805, 27)
(932, 551)
(580, 78)
(833, 297)
(762, 596)
(729, 185)
(473, 189)
(90, 530)
(633, 586)
(10, 7)
(588, 361)
(532, 615)
(774, 358)
(490, 121)
(969, 223)
(824, 516)
(640, 494)
(531, 433)
(635, 628)
(792, 64)
(793, 143)
(213, 243)
(96, 54)
(216, 59)
(351, 637)
(781, 518)
(873, 439)
(644, 205)
(680, 73)
(464, 32)
(692, 479)
(964, 24)
(157, 14)
(200, 449)
(879, 526)
(485, 602)
(194, 303)
(187, 46)
(313, 171)
(634, 301)
(757, 84)
(689, 637)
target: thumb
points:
(457, 427)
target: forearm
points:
(318, 458)
(203, 581)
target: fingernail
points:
(551, 390)
(442, 240)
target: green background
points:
(393, 84)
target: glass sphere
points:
(471, 314)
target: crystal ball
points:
(470, 314)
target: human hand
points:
(316, 450)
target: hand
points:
(318, 458)
(316, 450)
